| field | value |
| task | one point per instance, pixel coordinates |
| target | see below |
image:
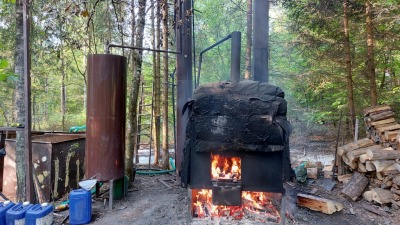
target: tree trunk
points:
(370, 53)
(249, 30)
(165, 149)
(134, 92)
(63, 90)
(157, 82)
(19, 97)
(349, 76)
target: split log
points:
(356, 185)
(390, 172)
(389, 178)
(324, 205)
(381, 116)
(395, 191)
(384, 125)
(384, 165)
(355, 145)
(312, 173)
(373, 183)
(363, 158)
(372, 209)
(380, 176)
(390, 135)
(361, 167)
(380, 195)
(386, 121)
(382, 155)
(396, 180)
(368, 196)
(369, 166)
(380, 130)
(353, 156)
(344, 178)
(378, 108)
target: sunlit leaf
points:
(3, 64)
(3, 77)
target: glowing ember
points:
(225, 167)
(256, 206)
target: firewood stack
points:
(381, 125)
(374, 161)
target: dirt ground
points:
(158, 199)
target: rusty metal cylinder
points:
(106, 115)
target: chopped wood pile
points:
(374, 161)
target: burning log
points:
(326, 206)
(355, 187)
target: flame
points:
(261, 206)
(225, 167)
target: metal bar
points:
(206, 50)
(235, 56)
(151, 129)
(173, 108)
(137, 48)
(260, 42)
(12, 128)
(27, 86)
(111, 195)
(183, 73)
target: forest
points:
(328, 56)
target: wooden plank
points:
(324, 205)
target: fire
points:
(257, 206)
(225, 168)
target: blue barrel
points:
(39, 215)
(80, 207)
(16, 214)
(4, 206)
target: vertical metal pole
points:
(261, 39)
(356, 130)
(184, 72)
(27, 86)
(235, 56)
(111, 195)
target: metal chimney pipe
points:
(235, 56)
(260, 40)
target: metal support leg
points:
(111, 195)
